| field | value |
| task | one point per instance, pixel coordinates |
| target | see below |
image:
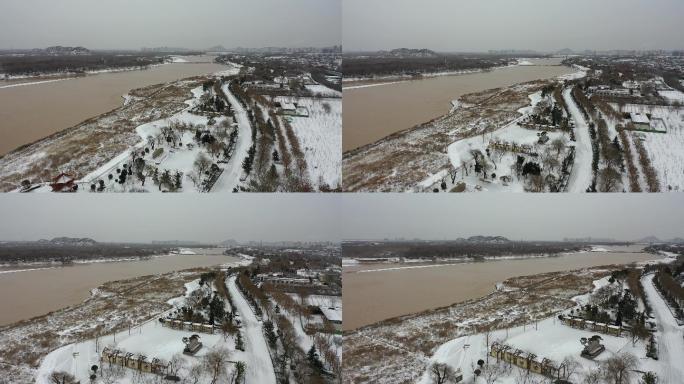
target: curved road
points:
(581, 176)
(233, 171)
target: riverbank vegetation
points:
(455, 249)
(51, 251)
(43, 64)
(381, 64)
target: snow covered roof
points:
(639, 118)
(288, 107)
(332, 314)
(62, 179)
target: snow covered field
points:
(150, 339)
(666, 150)
(320, 137)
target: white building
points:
(640, 121)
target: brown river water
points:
(26, 294)
(369, 297)
(32, 112)
(371, 113)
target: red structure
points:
(63, 183)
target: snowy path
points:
(233, 170)
(581, 176)
(259, 365)
(669, 336)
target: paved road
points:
(670, 336)
(259, 366)
(581, 176)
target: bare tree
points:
(593, 377)
(202, 164)
(610, 180)
(572, 368)
(639, 332)
(175, 364)
(214, 362)
(493, 372)
(618, 369)
(558, 144)
(61, 377)
(441, 373)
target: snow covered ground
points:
(150, 339)
(672, 96)
(323, 91)
(156, 341)
(551, 339)
(460, 153)
(259, 365)
(179, 158)
(320, 138)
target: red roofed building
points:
(63, 183)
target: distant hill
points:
(407, 52)
(649, 239)
(69, 241)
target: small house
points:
(288, 109)
(131, 361)
(548, 368)
(536, 366)
(143, 364)
(592, 347)
(159, 366)
(640, 121)
(192, 345)
(495, 350)
(543, 138)
(521, 359)
(458, 376)
(63, 183)
(614, 330)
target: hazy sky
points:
(212, 218)
(123, 24)
(517, 216)
(480, 25)
(308, 217)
